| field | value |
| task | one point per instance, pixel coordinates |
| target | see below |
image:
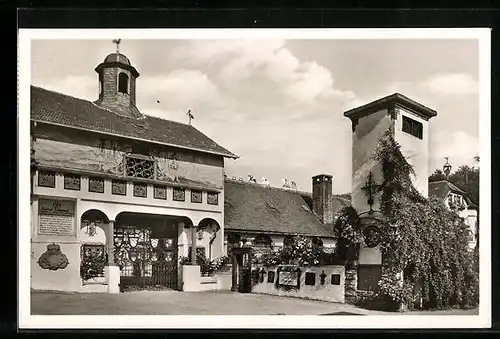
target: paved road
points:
(189, 303)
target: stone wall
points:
(329, 288)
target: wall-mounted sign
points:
(288, 277)
(56, 217)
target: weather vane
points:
(190, 115)
(447, 168)
(117, 42)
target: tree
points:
(438, 175)
(420, 237)
(465, 177)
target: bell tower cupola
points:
(117, 84)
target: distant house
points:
(265, 217)
(457, 200)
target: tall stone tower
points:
(408, 121)
(117, 85)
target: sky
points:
(279, 104)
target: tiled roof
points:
(393, 100)
(440, 189)
(56, 108)
(254, 207)
(117, 57)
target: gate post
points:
(193, 245)
(234, 286)
(113, 270)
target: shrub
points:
(92, 266)
(419, 236)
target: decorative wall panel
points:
(179, 194)
(46, 179)
(72, 182)
(212, 198)
(160, 192)
(96, 185)
(196, 196)
(108, 157)
(140, 190)
(119, 187)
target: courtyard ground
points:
(192, 303)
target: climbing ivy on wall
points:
(419, 237)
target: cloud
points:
(80, 86)
(452, 84)
(181, 89)
(265, 68)
(459, 146)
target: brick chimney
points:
(322, 197)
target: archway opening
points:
(146, 249)
(123, 83)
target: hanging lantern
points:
(199, 234)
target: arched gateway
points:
(146, 249)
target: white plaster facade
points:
(112, 205)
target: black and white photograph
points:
(328, 174)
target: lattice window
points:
(212, 198)
(179, 194)
(160, 192)
(140, 168)
(47, 179)
(72, 182)
(140, 190)
(196, 196)
(119, 187)
(96, 185)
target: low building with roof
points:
(264, 217)
(458, 200)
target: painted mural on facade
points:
(106, 156)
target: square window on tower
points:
(413, 127)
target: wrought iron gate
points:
(146, 258)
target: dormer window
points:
(123, 81)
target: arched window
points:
(123, 83)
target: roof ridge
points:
(242, 182)
(438, 181)
(107, 109)
(207, 144)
